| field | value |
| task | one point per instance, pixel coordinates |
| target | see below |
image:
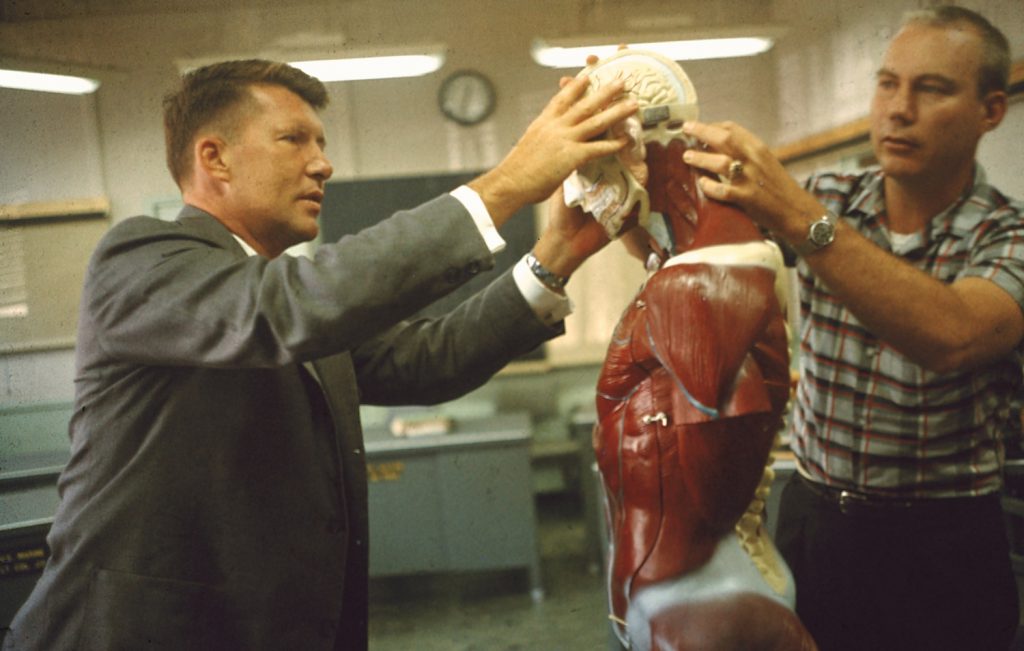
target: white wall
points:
(36, 377)
(1001, 155)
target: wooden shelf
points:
(1017, 77)
(98, 206)
(823, 141)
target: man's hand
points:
(763, 188)
(562, 138)
(569, 237)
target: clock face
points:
(466, 97)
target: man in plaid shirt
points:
(911, 295)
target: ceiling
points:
(632, 14)
(12, 11)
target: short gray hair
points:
(994, 73)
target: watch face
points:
(467, 97)
(821, 233)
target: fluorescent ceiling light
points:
(324, 64)
(378, 67)
(47, 83)
(575, 56)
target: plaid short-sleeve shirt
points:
(867, 418)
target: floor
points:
(493, 611)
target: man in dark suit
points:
(216, 494)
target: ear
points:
(995, 105)
(211, 159)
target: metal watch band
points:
(546, 277)
(820, 234)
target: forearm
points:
(427, 361)
(568, 239)
(557, 254)
(937, 325)
(499, 194)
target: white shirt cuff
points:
(474, 205)
(550, 307)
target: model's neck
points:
(695, 221)
(719, 223)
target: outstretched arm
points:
(940, 326)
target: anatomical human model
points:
(692, 391)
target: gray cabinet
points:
(459, 501)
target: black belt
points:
(853, 503)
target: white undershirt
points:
(902, 242)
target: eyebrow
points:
(316, 134)
(928, 76)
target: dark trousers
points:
(901, 578)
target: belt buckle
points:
(847, 501)
(851, 501)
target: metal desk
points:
(34, 448)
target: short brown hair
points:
(207, 94)
(994, 73)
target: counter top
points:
(513, 427)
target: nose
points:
(902, 105)
(320, 167)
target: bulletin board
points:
(350, 206)
(53, 211)
(42, 267)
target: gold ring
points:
(735, 170)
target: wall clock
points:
(467, 97)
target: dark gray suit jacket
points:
(216, 496)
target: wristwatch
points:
(820, 234)
(547, 278)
